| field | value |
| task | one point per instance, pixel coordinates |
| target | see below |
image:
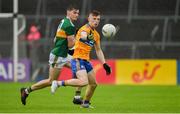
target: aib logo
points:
(145, 74)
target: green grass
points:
(107, 99)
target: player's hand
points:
(71, 51)
(107, 68)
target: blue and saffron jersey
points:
(83, 47)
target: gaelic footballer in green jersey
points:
(65, 28)
(58, 56)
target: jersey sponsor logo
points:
(88, 42)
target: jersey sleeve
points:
(70, 30)
(84, 29)
(83, 34)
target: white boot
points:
(54, 86)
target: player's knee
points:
(49, 81)
(94, 85)
(83, 83)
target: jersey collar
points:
(70, 20)
(90, 26)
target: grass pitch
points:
(107, 99)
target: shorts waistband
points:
(81, 59)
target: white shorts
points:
(58, 62)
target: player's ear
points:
(68, 12)
(89, 16)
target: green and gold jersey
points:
(65, 28)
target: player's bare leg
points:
(91, 86)
(90, 89)
(82, 80)
(53, 74)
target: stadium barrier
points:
(124, 72)
(146, 72)
(134, 72)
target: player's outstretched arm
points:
(100, 56)
(99, 53)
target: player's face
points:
(94, 20)
(73, 14)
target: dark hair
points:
(95, 13)
(72, 7)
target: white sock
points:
(26, 90)
(59, 83)
(77, 97)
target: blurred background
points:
(148, 29)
